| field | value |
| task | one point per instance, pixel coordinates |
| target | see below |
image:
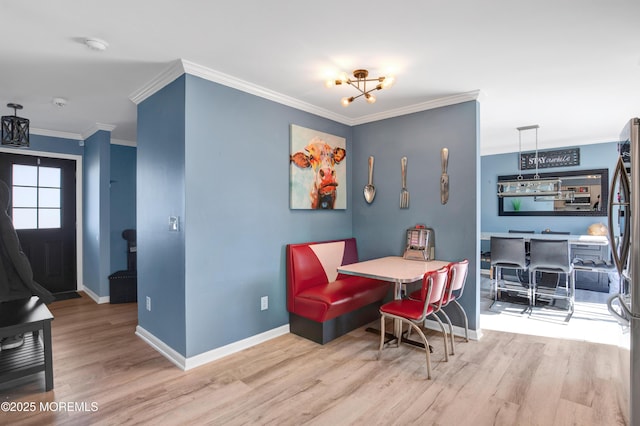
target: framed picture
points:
(318, 170)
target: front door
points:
(43, 209)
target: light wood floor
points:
(503, 379)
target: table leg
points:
(48, 356)
(397, 324)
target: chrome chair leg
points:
(466, 320)
(446, 317)
(496, 283)
(382, 334)
(444, 334)
(426, 347)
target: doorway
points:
(43, 208)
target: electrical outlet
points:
(148, 303)
(264, 303)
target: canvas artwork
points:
(318, 170)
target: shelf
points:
(22, 361)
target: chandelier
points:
(543, 189)
(15, 130)
(359, 82)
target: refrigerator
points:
(624, 198)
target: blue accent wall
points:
(123, 202)
(380, 227)
(53, 144)
(238, 219)
(219, 158)
(596, 156)
(96, 212)
(161, 193)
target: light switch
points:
(174, 223)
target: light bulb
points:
(330, 83)
(370, 98)
(346, 101)
(388, 82)
(343, 77)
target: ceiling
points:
(571, 66)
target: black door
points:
(43, 209)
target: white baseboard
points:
(457, 331)
(212, 355)
(163, 348)
(99, 300)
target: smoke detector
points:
(96, 44)
(59, 102)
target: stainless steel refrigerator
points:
(624, 198)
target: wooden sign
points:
(552, 158)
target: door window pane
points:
(36, 197)
(48, 218)
(25, 218)
(25, 197)
(49, 177)
(49, 197)
(25, 175)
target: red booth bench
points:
(323, 304)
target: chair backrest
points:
(550, 254)
(458, 276)
(434, 283)
(508, 251)
(526, 243)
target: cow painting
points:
(316, 165)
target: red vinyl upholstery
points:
(455, 287)
(314, 288)
(415, 311)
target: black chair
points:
(526, 243)
(508, 253)
(485, 256)
(552, 256)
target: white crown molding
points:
(79, 137)
(182, 66)
(244, 86)
(123, 142)
(172, 72)
(55, 134)
(424, 106)
(97, 127)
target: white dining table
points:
(396, 270)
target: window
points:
(36, 197)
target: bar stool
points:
(509, 253)
(552, 256)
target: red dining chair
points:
(455, 286)
(414, 312)
(457, 278)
